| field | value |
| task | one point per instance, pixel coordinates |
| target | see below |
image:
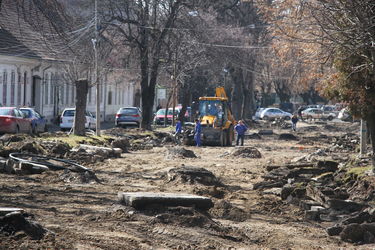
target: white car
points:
(67, 119)
(273, 113)
(315, 113)
(344, 115)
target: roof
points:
(18, 37)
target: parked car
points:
(128, 116)
(160, 115)
(257, 113)
(273, 113)
(38, 123)
(330, 109)
(344, 115)
(67, 119)
(12, 120)
(317, 113)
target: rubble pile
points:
(245, 152)
(326, 193)
(14, 222)
(193, 175)
(346, 143)
(179, 152)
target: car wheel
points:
(266, 118)
(330, 118)
(17, 130)
(34, 129)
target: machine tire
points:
(230, 136)
(223, 138)
(330, 118)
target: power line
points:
(231, 46)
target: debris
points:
(246, 152)
(193, 175)
(265, 132)
(227, 211)
(142, 200)
(179, 152)
(287, 137)
(16, 221)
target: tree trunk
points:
(248, 101)
(82, 87)
(237, 96)
(371, 129)
(185, 102)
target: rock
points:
(307, 204)
(122, 143)
(345, 205)
(142, 200)
(193, 175)
(254, 136)
(246, 152)
(359, 218)
(352, 233)
(330, 166)
(179, 152)
(60, 149)
(265, 132)
(334, 231)
(288, 137)
(312, 215)
(368, 238)
(15, 222)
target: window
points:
(62, 93)
(19, 87)
(109, 97)
(12, 87)
(46, 85)
(5, 87)
(53, 87)
(24, 87)
(90, 93)
(67, 93)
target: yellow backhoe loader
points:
(216, 119)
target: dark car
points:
(38, 123)
(12, 120)
(128, 116)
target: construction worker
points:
(197, 132)
(240, 129)
(178, 127)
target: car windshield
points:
(213, 107)
(26, 112)
(162, 112)
(70, 112)
(5, 111)
(128, 111)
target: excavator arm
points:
(220, 92)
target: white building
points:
(31, 72)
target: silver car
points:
(128, 116)
(274, 113)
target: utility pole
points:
(174, 93)
(97, 71)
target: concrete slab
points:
(7, 210)
(141, 200)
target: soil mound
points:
(79, 178)
(179, 152)
(225, 210)
(288, 137)
(246, 152)
(193, 175)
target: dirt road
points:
(87, 216)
